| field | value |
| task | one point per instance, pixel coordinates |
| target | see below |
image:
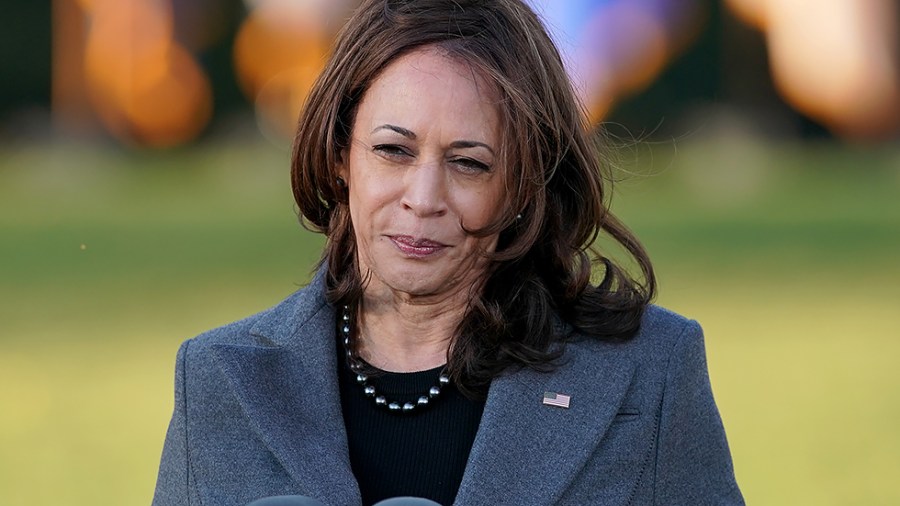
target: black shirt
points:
(418, 454)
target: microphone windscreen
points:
(406, 501)
(286, 500)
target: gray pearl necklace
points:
(357, 366)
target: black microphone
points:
(406, 501)
(286, 500)
(302, 500)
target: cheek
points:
(370, 188)
(370, 211)
(367, 204)
(365, 192)
(473, 255)
(479, 209)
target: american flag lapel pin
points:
(556, 399)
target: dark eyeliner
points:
(472, 164)
(391, 149)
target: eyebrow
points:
(470, 144)
(400, 130)
(409, 134)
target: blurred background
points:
(144, 198)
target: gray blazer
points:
(257, 414)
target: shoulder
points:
(657, 319)
(271, 326)
(200, 360)
(660, 331)
(666, 345)
(664, 329)
(672, 347)
(665, 391)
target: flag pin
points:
(556, 399)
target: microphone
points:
(286, 500)
(302, 500)
(406, 501)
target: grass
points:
(786, 254)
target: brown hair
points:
(542, 267)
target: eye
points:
(470, 165)
(391, 150)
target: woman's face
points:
(421, 166)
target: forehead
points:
(436, 62)
(426, 88)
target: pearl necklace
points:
(358, 367)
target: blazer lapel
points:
(526, 452)
(288, 389)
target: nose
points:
(425, 190)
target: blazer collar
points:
(528, 452)
(288, 388)
(287, 385)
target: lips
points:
(417, 247)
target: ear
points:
(341, 177)
(342, 168)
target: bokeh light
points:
(132, 65)
(278, 44)
(834, 61)
(752, 12)
(279, 51)
(146, 88)
(614, 48)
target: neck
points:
(400, 334)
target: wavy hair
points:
(541, 270)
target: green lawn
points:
(788, 255)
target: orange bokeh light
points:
(840, 69)
(836, 62)
(752, 12)
(146, 88)
(636, 71)
(279, 51)
(280, 100)
(613, 72)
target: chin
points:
(414, 280)
(413, 283)
(417, 277)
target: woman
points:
(452, 345)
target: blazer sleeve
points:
(693, 464)
(173, 484)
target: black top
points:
(418, 454)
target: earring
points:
(519, 216)
(340, 182)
